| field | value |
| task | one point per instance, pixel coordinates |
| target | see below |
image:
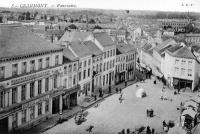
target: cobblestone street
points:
(111, 116)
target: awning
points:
(189, 112)
(175, 81)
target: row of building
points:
(38, 78)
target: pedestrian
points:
(128, 131)
(152, 131)
(120, 90)
(95, 97)
(148, 131)
(164, 124)
(116, 90)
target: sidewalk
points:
(92, 102)
(67, 114)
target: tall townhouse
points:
(97, 63)
(125, 63)
(81, 51)
(70, 79)
(180, 68)
(30, 78)
(105, 43)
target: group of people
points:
(120, 90)
(148, 131)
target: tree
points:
(92, 21)
(97, 27)
(72, 26)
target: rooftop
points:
(17, 41)
(80, 49)
(104, 39)
(74, 36)
(181, 52)
(125, 48)
(68, 56)
(93, 48)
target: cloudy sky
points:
(163, 5)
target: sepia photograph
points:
(100, 67)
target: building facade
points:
(192, 38)
(181, 68)
(30, 75)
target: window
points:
(39, 108)
(75, 67)
(32, 88)
(104, 55)
(85, 63)
(88, 72)
(32, 112)
(176, 61)
(56, 60)
(32, 67)
(182, 71)
(84, 74)
(46, 84)
(107, 65)
(113, 63)
(47, 62)
(65, 82)
(107, 53)
(55, 82)
(47, 106)
(100, 67)
(2, 99)
(89, 62)
(2, 72)
(39, 64)
(39, 87)
(24, 67)
(65, 70)
(14, 69)
(190, 63)
(23, 93)
(74, 80)
(24, 116)
(70, 68)
(113, 52)
(110, 53)
(14, 120)
(103, 80)
(183, 62)
(189, 72)
(14, 95)
(79, 76)
(107, 79)
(176, 70)
(70, 82)
(80, 65)
(110, 64)
(104, 66)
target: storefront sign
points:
(30, 77)
(35, 102)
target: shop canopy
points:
(189, 112)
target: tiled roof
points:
(125, 48)
(164, 44)
(68, 55)
(181, 52)
(74, 36)
(17, 41)
(104, 39)
(93, 48)
(80, 49)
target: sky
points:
(162, 5)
